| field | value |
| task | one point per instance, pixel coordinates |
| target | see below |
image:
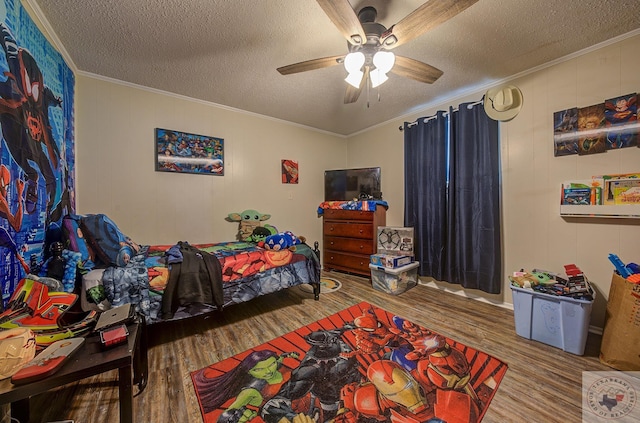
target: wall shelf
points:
(630, 211)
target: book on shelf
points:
(583, 192)
(576, 196)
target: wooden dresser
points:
(349, 238)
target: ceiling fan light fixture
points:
(384, 61)
(355, 78)
(354, 61)
(377, 77)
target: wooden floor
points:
(543, 383)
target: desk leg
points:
(125, 382)
(20, 410)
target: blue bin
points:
(561, 322)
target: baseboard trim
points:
(593, 329)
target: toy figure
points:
(282, 241)
(249, 220)
(262, 232)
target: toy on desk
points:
(48, 361)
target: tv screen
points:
(347, 184)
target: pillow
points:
(112, 246)
(75, 241)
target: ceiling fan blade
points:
(308, 65)
(345, 19)
(351, 94)
(424, 18)
(411, 68)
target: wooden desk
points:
(89, 360)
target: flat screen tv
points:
(347, 184)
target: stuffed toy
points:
(281, 241)
(262, 232)
(249, 220)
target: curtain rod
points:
(428, 118)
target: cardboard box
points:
(386, 260)
(394, 281)
(621, 335)
(395, 241)
(561, 322)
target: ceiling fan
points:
(370, 43)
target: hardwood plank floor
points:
(543, 383)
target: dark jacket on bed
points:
(196, 280)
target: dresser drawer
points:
(350, 230)
(350, 245)
(349, 262)
(347, 214)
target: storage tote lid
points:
(397, 270)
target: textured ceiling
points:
(227, 51)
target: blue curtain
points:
(460, 244)
(425, 190)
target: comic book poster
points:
(37, 163)
(622, 121)
(182, 152)
(565, 132)
(591, 130)
(289, 172)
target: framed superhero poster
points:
(182, 152)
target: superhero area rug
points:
(361, 364)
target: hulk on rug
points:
(360, 364)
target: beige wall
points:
(534, 235)
(115, 166)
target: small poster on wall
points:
(181, 152)
(289, 171)
(622, 121)
(591, 130)
(565, 132)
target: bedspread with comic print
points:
(248, 271)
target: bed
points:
(161, 282)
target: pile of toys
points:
(573, 284)
(630, 272)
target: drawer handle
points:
(331, 257)
(361, 231)
(331, 228)
(361, 247)
(331, 243)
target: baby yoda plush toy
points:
(249, 220)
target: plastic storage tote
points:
(558, 321)
(394, 281)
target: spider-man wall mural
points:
(37, 163)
